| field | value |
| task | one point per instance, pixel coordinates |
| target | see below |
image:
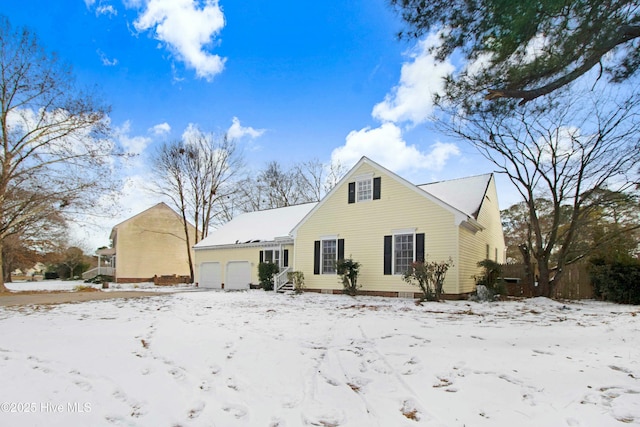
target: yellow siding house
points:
(228, 258)
(151, 243)
(385, 223)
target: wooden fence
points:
(574, 283)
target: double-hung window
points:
(403, 252)
(326, 252)
(364, 189)
(329, 256)
(401, 249)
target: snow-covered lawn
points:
(70, 285)
(263, 359)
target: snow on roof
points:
(258, 226)
(464, 194)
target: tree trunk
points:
(545, 283)
(188, 244)
(3, 288)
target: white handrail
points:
(281, 279)
(105, 271)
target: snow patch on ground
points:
(263, 359)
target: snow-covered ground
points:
(70, 285)
(263, 359)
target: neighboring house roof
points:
(464, 194)
(258, 226)
(161, 205)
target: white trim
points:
(405, 231)
(393, 248)
(327, 239)
(274, 249)
(369, 182)
(364, 176)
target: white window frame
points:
(333, 239)
(404, 232)
(275, 254)
(361, 181)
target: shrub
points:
(297, 278)
(490, 285)
(617, 281)
(348, 270)
(100, 279)
(266, 271)
(429, 276)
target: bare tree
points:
(25, 248)
(276, 187)
(212, 166)
(72, 258)
(562, 150)
(55, 149)
(197, 175)
(316, 179)
(170, 168)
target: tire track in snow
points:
(413, 402)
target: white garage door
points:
(210, 275)
(238, 275)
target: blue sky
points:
(289, 81)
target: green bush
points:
(617, 281)
(266, 271)
(348, 271)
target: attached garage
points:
(243, 243)
(210, 275)
(238, 275)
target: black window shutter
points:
(285, 258)
(376, 188)
(352, 192)
(261, 257)
(316, 257)
(388, 253)
(340, 249)
(420, 247)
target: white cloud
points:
(160, 129)
(385, 145)
(187, 30)
(105, 10)
(236, 131)
(561, 144)
(410, 101)
(105, 60)
(131, 144)
(422, 77)
(191, 132)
